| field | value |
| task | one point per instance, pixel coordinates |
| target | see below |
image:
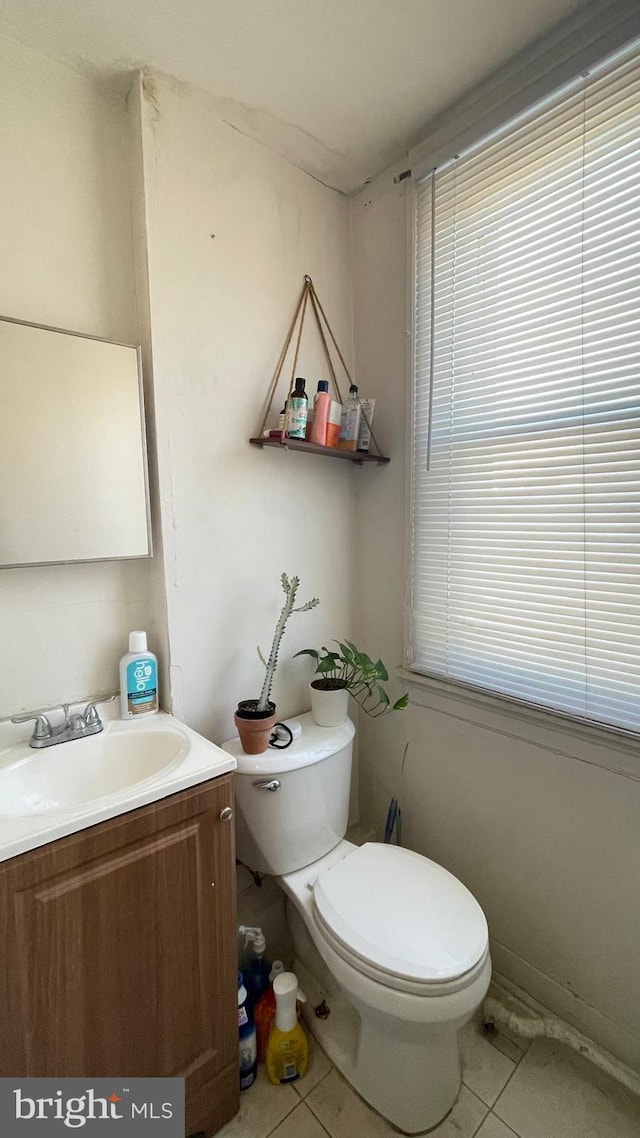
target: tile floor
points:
(509, 1091)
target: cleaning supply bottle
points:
(287, 1054)
(265, 1012)
(138, 679)
(257, 968)
(321, 405)
(246, 1039)
(298, 410)
(350, 422)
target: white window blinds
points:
(526, 460)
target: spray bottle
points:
(256, 969)
(287, 1055)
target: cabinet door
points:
(119, 957)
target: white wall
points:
(231, 230)
(540, 823)
(65, 235)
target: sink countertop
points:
(197, 761)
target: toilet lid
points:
(402, 913)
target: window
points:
(526, 455)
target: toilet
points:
(391, 945)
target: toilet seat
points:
(401, 919)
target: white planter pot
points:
(329, 708)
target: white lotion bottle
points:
(138, 679)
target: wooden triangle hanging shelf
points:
(308, 300)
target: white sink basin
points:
(49, 793)
(67, 776)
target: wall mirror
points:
(73, 462)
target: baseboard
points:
(564, 1004)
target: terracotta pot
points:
(329, 706)
(254, 727)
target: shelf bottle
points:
(350, 422)
(298, 411)
(321, 405)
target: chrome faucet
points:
(75, 726)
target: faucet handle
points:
(42, 729)
(90, 715)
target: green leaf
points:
(382, 671)
(382, 695)
(326, 665)
(307, 652)
(359, 658)
(347, 652)
(401, 703)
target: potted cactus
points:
(348, 672)
(255, 718)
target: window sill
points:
(613, 750)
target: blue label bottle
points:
(138, 679)
(247, 1044)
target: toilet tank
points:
(305, 815)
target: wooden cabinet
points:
(118, 952)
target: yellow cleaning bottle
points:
(287, 1054)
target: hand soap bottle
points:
(287, 1054)
(138, 679)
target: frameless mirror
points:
(73, 467)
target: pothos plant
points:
(356, 672)
(256, 716)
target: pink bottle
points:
(321, 404)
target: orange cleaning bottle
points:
(265, 1010)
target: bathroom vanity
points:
(118, 948)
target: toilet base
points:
(411, 1079)
(368, 1069)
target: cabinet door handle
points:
(226, 814)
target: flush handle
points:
(226, 814)
(267, 784)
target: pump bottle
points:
(287, 1054)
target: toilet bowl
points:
(386, 940)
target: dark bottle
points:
(298, 411)
(247, 1045)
